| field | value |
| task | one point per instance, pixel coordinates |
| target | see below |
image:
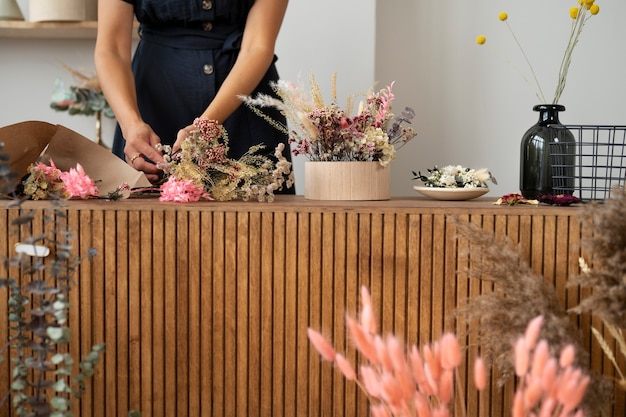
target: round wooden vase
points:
(346, 181)
(62, 10)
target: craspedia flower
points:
(594, 9)
(503, 16)
(573, 12)
(481, 40)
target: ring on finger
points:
(132, 160)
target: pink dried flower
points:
(518, 409)
(522, 355)
(549, 373)
(547, 408)
(344, 366)
(49, 171)
(431, 380)
(417, 366)
(401, 381)
(323, 347)
(544, 388)
(568, 354)
(181, 191)
(367, 319)
(450, 351)
(480, 374)
(391, 391)
(396, 353)
(363, 341)
(541, 356)
(370, 381)
(422, 406)
(382, 353)
(379, 410)
(386, 97)
(532, 331)
(441, 411)
(432, 358)
(78, 184)
(532, 393)
(446, 386)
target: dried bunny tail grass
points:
(498, 318)
(607, 272)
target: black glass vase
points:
(547, 155)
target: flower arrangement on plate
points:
(324, 131)
(580, 15)
(454, 182)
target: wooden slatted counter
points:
(204, 307)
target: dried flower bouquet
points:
(325, 132)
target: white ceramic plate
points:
(451, 193)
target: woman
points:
(194, 58)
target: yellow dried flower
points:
(580, 15)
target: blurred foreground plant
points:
(44, 379)
(419, 382)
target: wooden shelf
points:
(48, 30)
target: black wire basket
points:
(593, 165)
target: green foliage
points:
(44, 383)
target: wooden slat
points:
(292, 332)
(160, 256)
(145, 317)
(207, 305)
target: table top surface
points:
(297, 203)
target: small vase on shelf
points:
(9, 10)
(547, 155)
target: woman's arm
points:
(254, 59)
(112, 59)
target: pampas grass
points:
(605, 274)
(498, 317)
(606, 271)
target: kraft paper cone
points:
(27, 141)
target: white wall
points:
(28, 70)
(473, 108)
(326, 37)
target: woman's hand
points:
(141, 152)
(182, 135)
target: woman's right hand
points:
(141, 152)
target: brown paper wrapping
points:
(25, 142)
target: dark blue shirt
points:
(186, 50)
